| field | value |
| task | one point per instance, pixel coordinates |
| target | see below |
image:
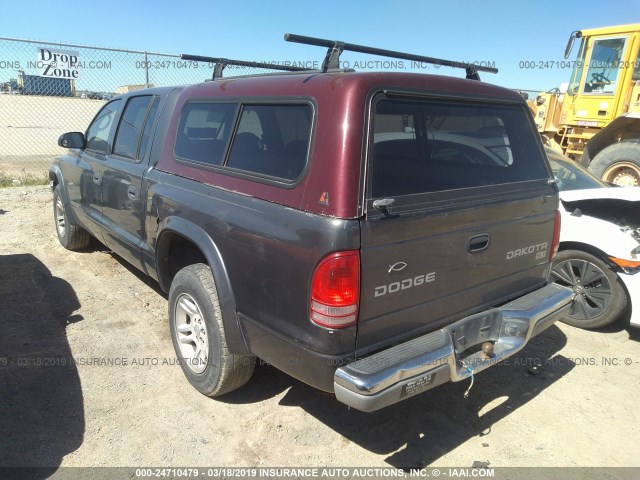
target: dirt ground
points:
(88, 378)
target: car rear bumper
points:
(449, 354)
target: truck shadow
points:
(41, 406)
(417, 432)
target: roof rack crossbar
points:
(221, 63)
(337, 47)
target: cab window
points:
(98, 132)
(636, 68)
(604, 66)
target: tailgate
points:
(459, 215)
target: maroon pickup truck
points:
(372, 234)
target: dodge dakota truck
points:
(372, 234)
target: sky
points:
(500, 33)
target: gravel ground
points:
(88, 378)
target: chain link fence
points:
(49, 88)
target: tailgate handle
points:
(477, 243)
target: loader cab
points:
(606, 68)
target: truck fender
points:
(56, 179)
(192, 232)
(625, 127)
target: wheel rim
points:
(624, 174)
(191, 332)
(60, 220)
(589, 283)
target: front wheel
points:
(70, 235)
(618, 164)
(197, 332)
(600, 296)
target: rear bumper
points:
(449, 354)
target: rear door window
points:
(134, 128)
(422, 146)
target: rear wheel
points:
(70, 236)
(618, 164)
(600, 296)
(198, 334)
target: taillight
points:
(556, 236)
(335, 290)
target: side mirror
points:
(72, 140)
(572, 38)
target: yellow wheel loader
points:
(596, 119)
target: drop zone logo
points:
(58, 63)
(405, 284)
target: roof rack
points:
(221, 63)
(335, 48)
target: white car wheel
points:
(600, 296)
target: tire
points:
(600, 296)
(70, 235)
(618, 164)
(197, 332)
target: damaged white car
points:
(599, 254)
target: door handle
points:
(97, 178)
(132, 192)
(477, 243)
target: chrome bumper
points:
(425, 362)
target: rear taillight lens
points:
(335, 290)
(556, 236)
